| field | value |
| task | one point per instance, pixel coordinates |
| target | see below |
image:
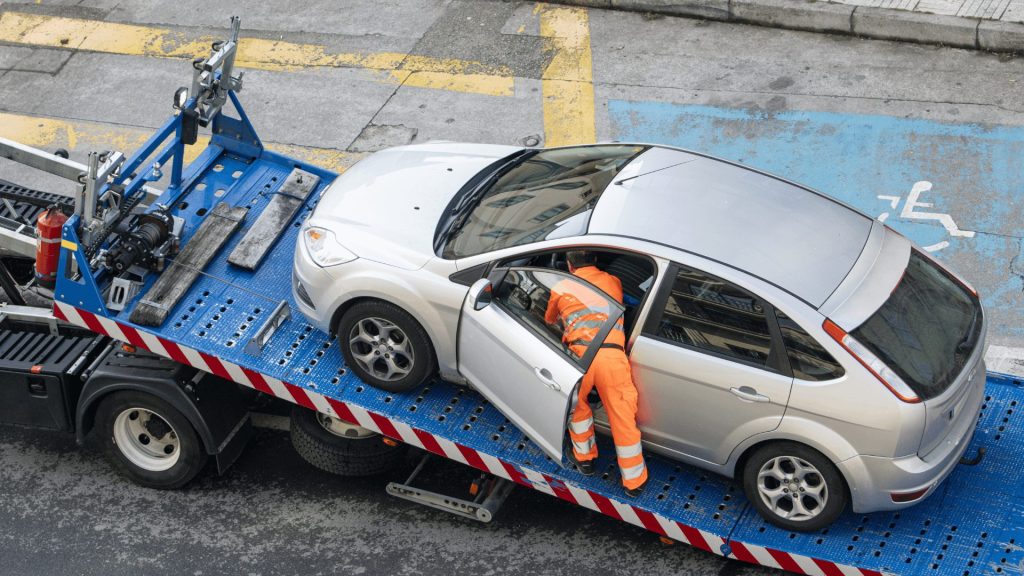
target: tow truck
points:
(147, 275)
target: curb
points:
(834, 18)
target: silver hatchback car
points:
(776, 335)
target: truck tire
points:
(148, 440)
(340, 448)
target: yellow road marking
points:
(567, 86)
(255, 53)
(82, 135)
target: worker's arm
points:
(551, 314)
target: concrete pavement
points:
(995, 25)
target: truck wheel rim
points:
(792, 488)
(146, 440)
(341, 428)
(381, 348)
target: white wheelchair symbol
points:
(910, 213)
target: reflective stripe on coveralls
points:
(609, 372)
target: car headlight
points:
(324, 248)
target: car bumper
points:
(873, 480)
(310, 283)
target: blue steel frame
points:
(77, 282)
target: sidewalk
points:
(996, 25)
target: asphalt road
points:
(63, 510)
(859, 119)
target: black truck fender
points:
(216, 408)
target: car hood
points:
(386, 207)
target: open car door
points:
(517, 360)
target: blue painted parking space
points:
(955, 189)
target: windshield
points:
(549, 194)
(926, 330)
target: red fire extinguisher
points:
(49, 225)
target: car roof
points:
(801, 241)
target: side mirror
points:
(481, 293)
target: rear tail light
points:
(885, 375)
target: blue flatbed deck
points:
(974, 523)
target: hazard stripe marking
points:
(133, 337)
(671, 529)
(785, 561)
(807, 566)
(195, 359)
(649, 521)
(560, 489)
(385, 426)
(515, 475)
(257, 381)
(694, 537)
(342, 410)
(429, 443)
(604, 505)
(472, 457)
(398, 430)
(450, 449)
(408, 434)
(583, 497)
(278, 388)
(320, 404)
(538, 481)
(112, 329)
(217, 367)
(300, 396)
(829, 568)
(739, 550)
(92, 323)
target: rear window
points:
(926, 330)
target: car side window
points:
(545, 301)
(807, 358)
(713, 315)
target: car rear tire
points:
(149, 441)
(385, 346)
(794, 487)
(341, 448)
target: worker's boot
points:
(586, 467)
(634, 492)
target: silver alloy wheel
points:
(341, 428)
(146, 440)
(381, 349)
(792, 488)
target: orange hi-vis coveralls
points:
(609, 371)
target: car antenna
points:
(619, 182)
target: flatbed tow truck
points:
(211, 316)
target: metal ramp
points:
(972, 525)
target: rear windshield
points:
(926, 330)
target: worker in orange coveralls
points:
(609, 371)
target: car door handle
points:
(749, 394)
(544, 375)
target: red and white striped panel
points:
(448, 449)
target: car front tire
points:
(794, 487)
(385, 346)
